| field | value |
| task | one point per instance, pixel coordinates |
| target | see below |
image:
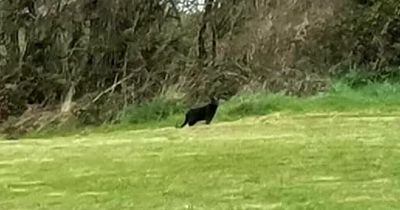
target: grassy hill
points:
(329, 160)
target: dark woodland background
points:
(87, 60)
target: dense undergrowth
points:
(92, 58)
(162, 112)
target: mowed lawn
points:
(309, 161)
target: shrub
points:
(155, 110)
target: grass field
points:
(333, 160)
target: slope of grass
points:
(312, 161)
(377, 97)
(371, 98)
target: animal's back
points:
(201, 113)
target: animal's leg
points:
(192, 122)
(209, 119)
(185, 122)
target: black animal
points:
(205, 113)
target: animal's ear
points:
(211, 98)
(214, 100)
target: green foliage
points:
(153, 111)
(361, 76)
(342, 97)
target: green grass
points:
(379, 97)
(281, 161)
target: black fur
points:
(205, 113)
